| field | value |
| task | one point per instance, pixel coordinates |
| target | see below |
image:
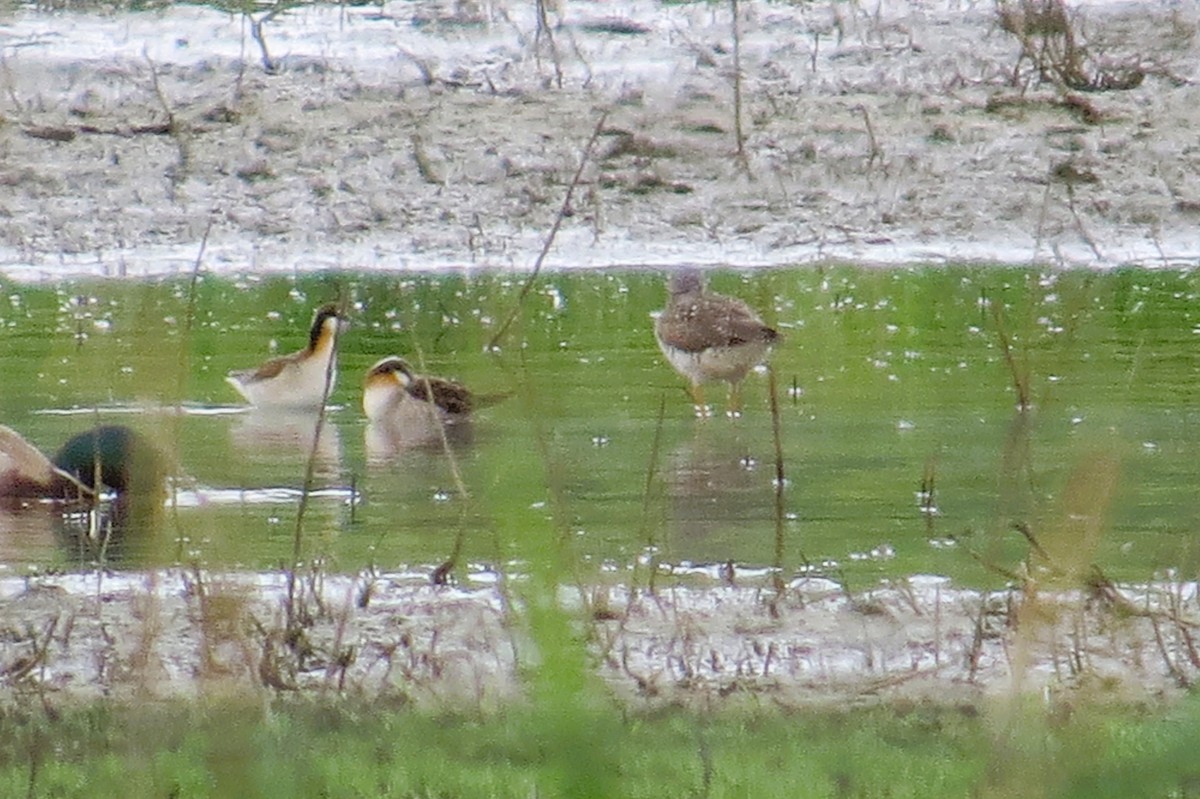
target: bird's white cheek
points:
(374, 400)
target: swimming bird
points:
(707, 337)
(297, 380)
(107, 457)
(25, 471)
(124, 461)
(102, 495)
(406, 411)
(390, 385)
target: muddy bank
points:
(183, 633)
(425, 135)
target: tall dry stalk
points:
(441, 575)
(738, 132)
(780, 482)
(185, 371)
(544, 32)
(1018, 372)
(648, 490)
(310, 469)
(563, 212)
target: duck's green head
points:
(123, 460)
(117, 459)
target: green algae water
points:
(903, 447)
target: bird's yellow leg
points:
(702, 410)
(735, 400)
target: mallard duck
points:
(108, 457)
(298, 380)
(707, 337)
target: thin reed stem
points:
(1020, 376)
(738, 132)
(647, 491)
(563, 211)
(441, 574)
(310, 468)
(185, 371)
(777, 439)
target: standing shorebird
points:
(296, 381)
(707, 336)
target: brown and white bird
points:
(298, 380)
(709, 337)
(406, 411)
(391, 385)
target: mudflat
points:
(426, 135)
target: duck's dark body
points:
(123, 460)
(105, 458)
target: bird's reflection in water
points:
(718, 484)
(415, 427)
(125, 530)
(267, 435)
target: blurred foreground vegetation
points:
(226, 747)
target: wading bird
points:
(708, 337)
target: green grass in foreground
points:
(350, 749)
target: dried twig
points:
(563, 212)
(647, 493)
(739, 133)
(544, 31)
(1020, 376)
(310, 468)
(780, 483)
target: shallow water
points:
(885, 380)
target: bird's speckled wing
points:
(712, 321)
(447, 395)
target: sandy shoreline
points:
(425, 136)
